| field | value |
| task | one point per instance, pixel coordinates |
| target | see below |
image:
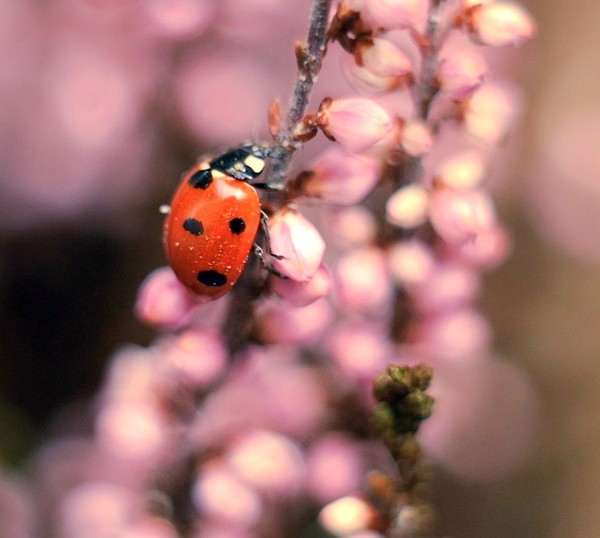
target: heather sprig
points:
(258, 414)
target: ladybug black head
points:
(244, 163)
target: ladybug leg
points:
(269, 187)
(260, 252)
(264, 223)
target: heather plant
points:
(302, 402)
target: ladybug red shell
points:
(213, 221)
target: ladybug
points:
(213, 221)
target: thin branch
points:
(309, 56)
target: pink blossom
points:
(334, 467)
(410, 262)
(96, 509)
(356, 124)
(383, 58)
(279, 322)
(346, 515)
(460, 73)
(500, 23)
(416, 138)
(362, 282)
(465, 170)
(358, 349)
(220, 494)
(460, 215)
(488, 249)
(303, 293)
(134, 431)
(490, 113)
(296, 239)
(350, 227)
(194, 358)
(163, 300)
(268, 461)
(397, 14)
(258, 396)
(339, 177)
(408, 207)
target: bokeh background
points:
(105, 102)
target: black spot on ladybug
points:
(201, 179)
(212, 278)
(193, 226)
(237, 225)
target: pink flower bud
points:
(346, 516)
(416, 138)
(334, 467)
(449, 286)
(464, 170)
(461, 73)
(360, 350)
(268, 461)
(460, 215)
(350, 227)
(487, 250)
(302, 293)
(384, 59)
(339, 177)
(135, 431)
(490, 113)
(408, 206)
(356, 124)
(194, 358)
(362, 281)
(500, 23)
(397, 14)
(278, 322)
(219, 493)
(295, 238)
(410, 262)
(95, 508)
(365, 82)
(163, 300)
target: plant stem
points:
(309, 56)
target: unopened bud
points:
(298, 241)
(397, 14)
(461, 73)
(303, 293)
(383, 58)
(339, 177)
(499, 23)
(408, 206)
(415, 138)
(356, 124)
(464, 170)
(460, 215)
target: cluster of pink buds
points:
(249, 416)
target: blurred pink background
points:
(104, 103)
